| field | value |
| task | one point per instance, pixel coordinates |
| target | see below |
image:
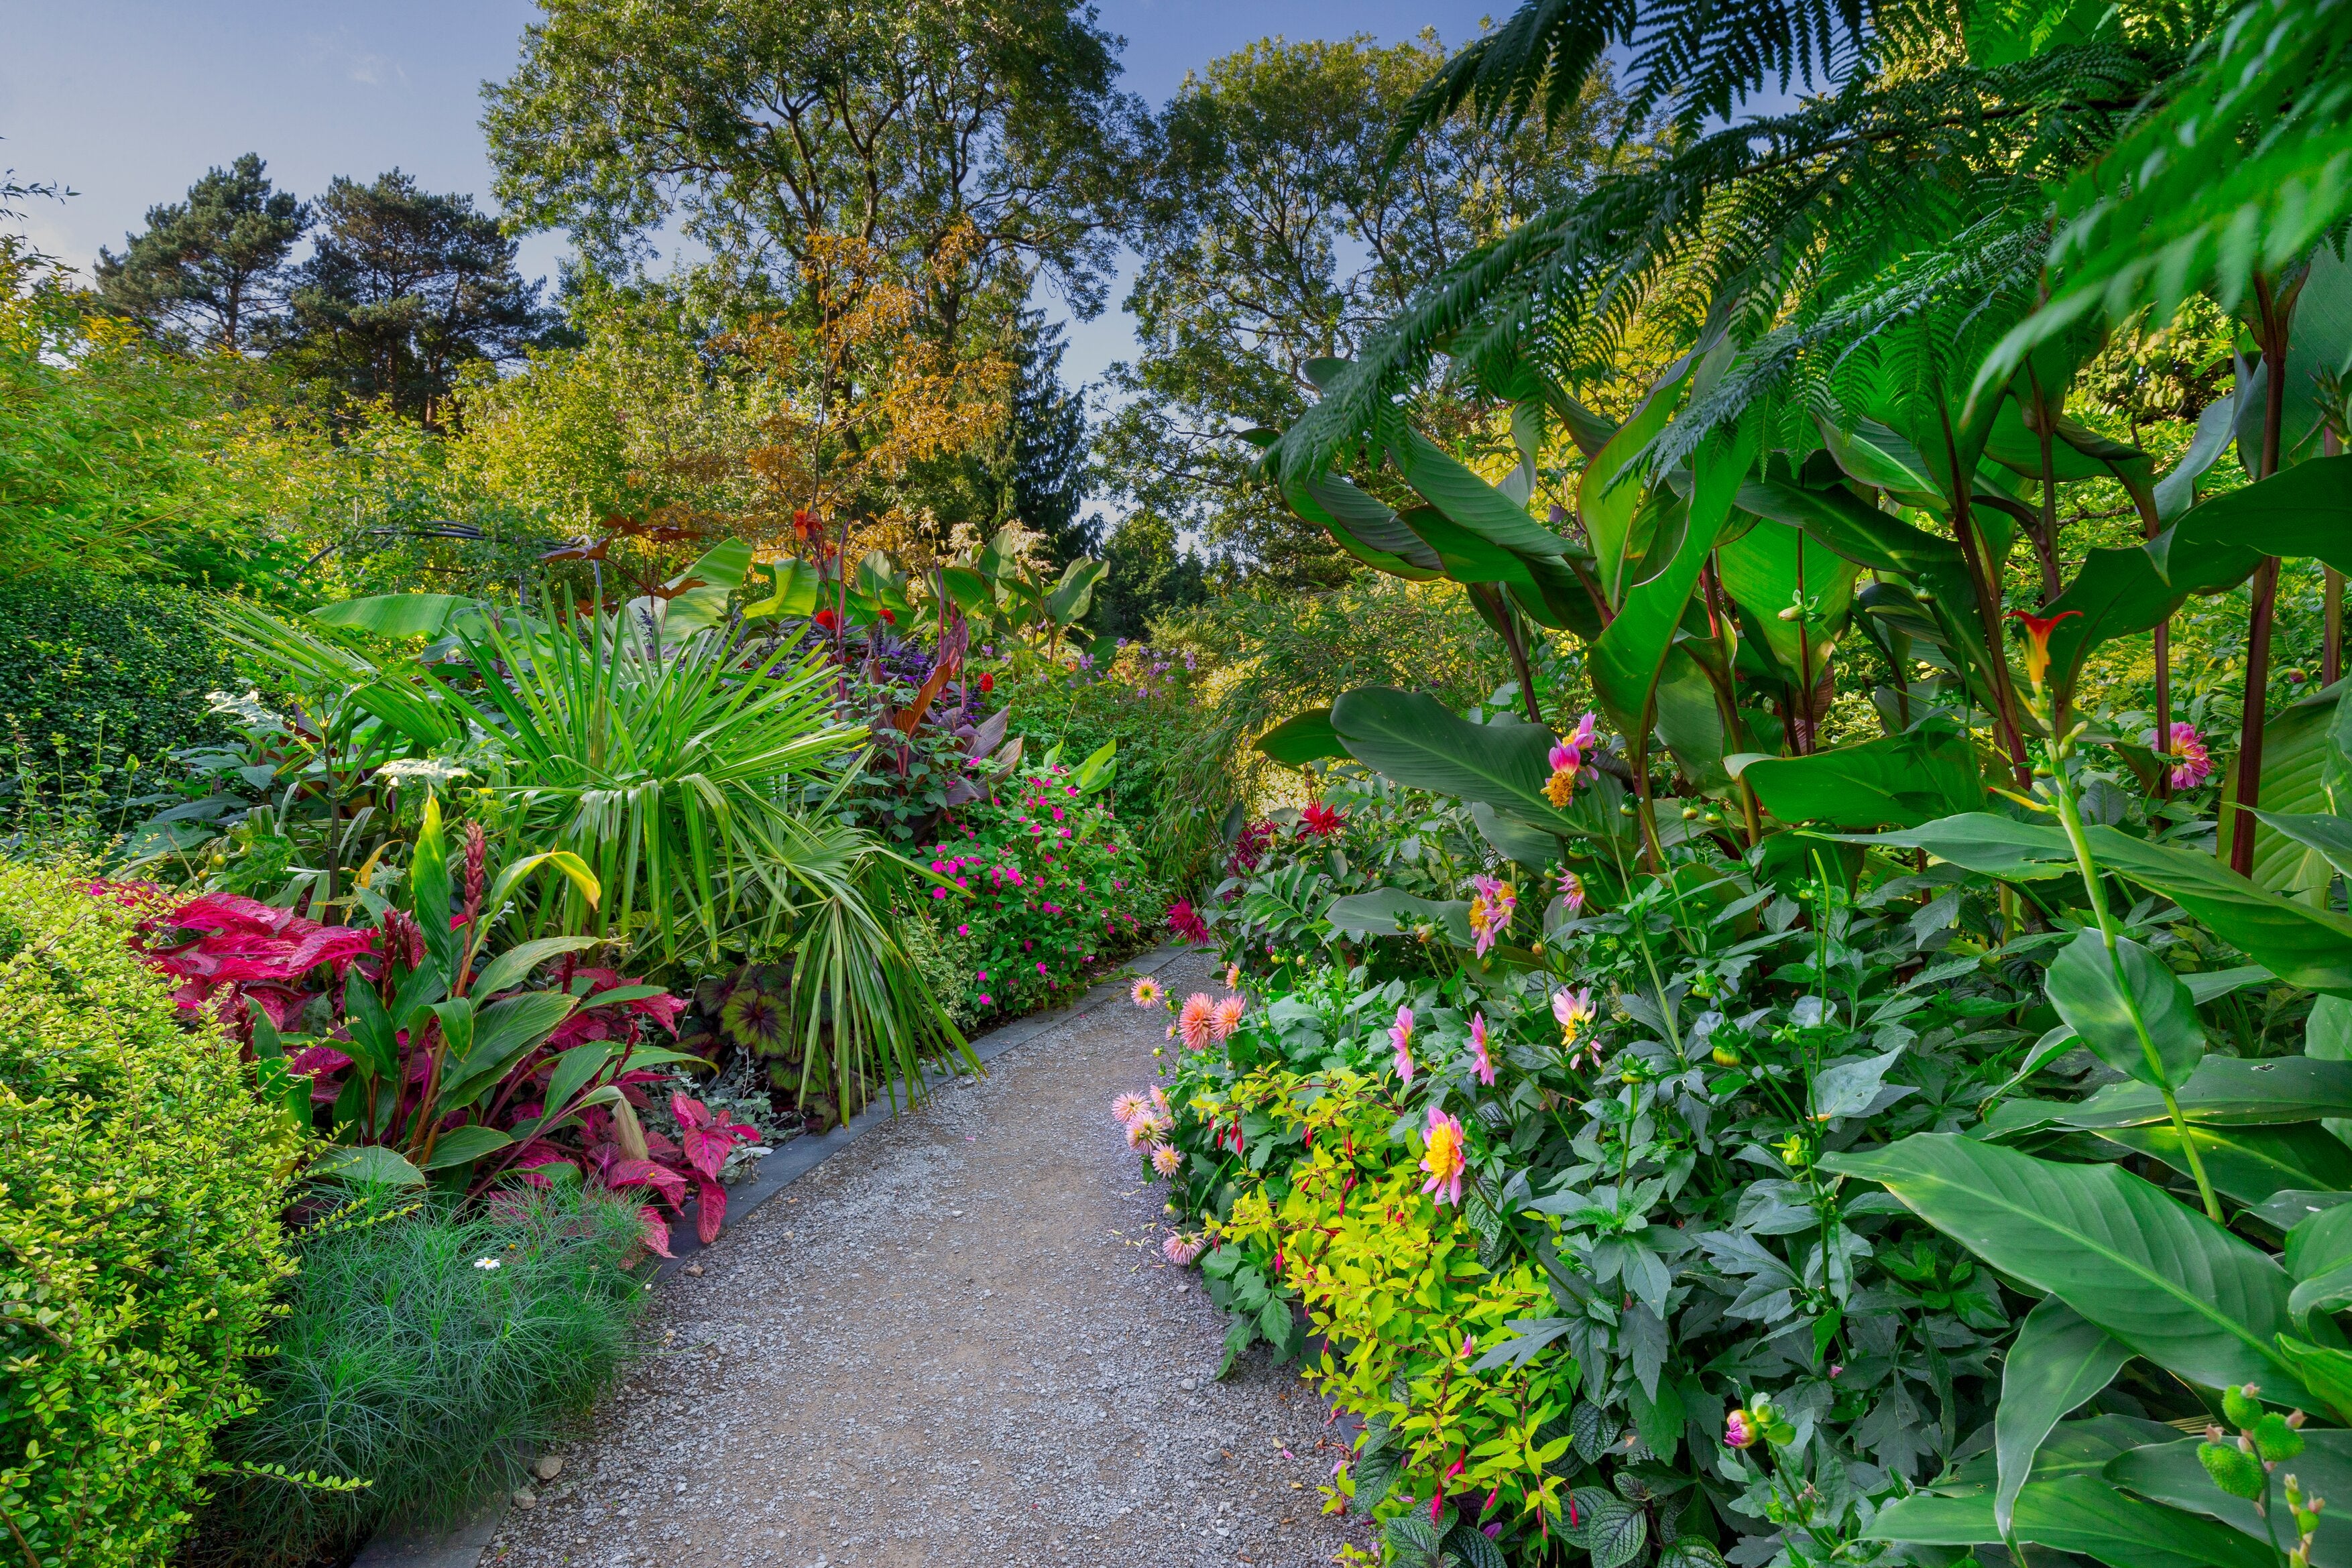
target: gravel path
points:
(955, 1343)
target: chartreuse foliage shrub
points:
(140, 1184)
(434, 1351)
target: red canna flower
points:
(891, 619)
(987, 682)
(827, 621)
(2037, 632)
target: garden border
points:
(463, 1546)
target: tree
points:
(764, 127)
(1151, 574)
(1050, 478)
(403, 289)
(209, 269)
(1273, 239)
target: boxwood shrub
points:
(140, 1186)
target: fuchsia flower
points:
(1197, 1022)
(1442, 1158)
(1479, 1059)
(1401, 1037)
(1491, 903)
(2192, 763)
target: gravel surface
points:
(954, 1343)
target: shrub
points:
(95, 669)
(434, 1353)
(140, 1188)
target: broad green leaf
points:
(2158, 1276)
(2224, 1090)
(1365, 526)
(372, 1045)
(2251, 1165)
(574, 1069)
(1307, 737)
(2058, 1361)
(1981, 841)
(1467, 557)
(2216, 428)
(2099, 1004)
(504, 1034)
(2170, 1473)
(1605, 505)
(368, 1163)
(799, 582)
(1469, 501)
(1626, 662)
(430, 890)
(396, 614)
(1775, 566)
(1916, 778)
(2324, 1369)
(563, 860)
(2323, 835)
(1531, 846)
(2327, 1032)
(2080, 1514)
(1076, 594)
(2298, 747)
(1411, 738)
(1095, 771)
(1386, 911)
(514, 966)
(464, 1145)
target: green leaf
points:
(1411, 738)
(1075, 595)
(2156, 1275)
(2058, 1361)
(2169, 1473)
(2076, 1513)
(1307, 737)
(1529, 846)
(429, 884)
(1385, 911)
(2326, 1370)
(1928, 773)
(397, 614)
(575, 1069)
(514, 966)
(1981, 841)
(374, 1046)
(1618, 1532)
(464, 1145)
(2098, 1006)
(2251, 1165)
(1606, 505)
(1766, 569)
(2224, 1090)
(505, 1032)
(368, 1163)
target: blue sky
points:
(128, 102)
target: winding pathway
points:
(954, 1343)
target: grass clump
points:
(407, 1359)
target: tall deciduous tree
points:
(1272, 237)
(403, 289)
(210, 270)
(757, 127)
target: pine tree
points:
(209, 270)
(1050, 480)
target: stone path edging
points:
(462, 1546)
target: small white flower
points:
(410, 769)
(486, 1262)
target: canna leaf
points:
(2096, 992)
(2249, 1165)
(1306, 738)
(1915, 778)
(2058, 1361)
(513, 966)
(2080, 1514)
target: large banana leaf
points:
(1773, 566)
(2299, 747)
(1306, 738)
(396, 614)
(1605, 503)
(1468, 500)
(1928, 773)
(2158, 1276)
(1626, 662)
(1411, 738)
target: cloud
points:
(364, 65)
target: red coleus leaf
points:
(645, 1173)
(690, 1112)
(313, 1061)
(710, 1210)
(654, 1231)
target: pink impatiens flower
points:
(1479, 1059)
(2192, 763)
(1197, 1022)
(1401, 1037)
(1442, 1158)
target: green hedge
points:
(93, 663)
(140, 1186)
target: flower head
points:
(486, 1262)
(987, 682)
(1226, 1017)
(1401, 1037)
(1571, 893)
(1442, 1157)
(1320, 820)
(1181, 1248)
(1197, 1022)
(1479, 1059)
(1738, 1432)
(1166, 1161)
(2192, 763)
(1573, 1009)
(1233, 976)
(828, 621)
(1491, 903)
(1129, 1107)
(1185, 922)
(2037, 646)
(1148, 993)
(1567, 763)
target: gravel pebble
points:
(954, 1343)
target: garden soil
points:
(955, 1343)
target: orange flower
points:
(1197, 1021)
(2037, 649)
